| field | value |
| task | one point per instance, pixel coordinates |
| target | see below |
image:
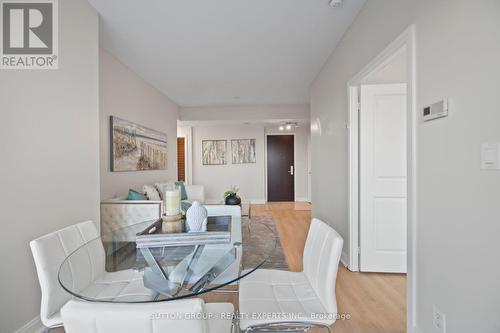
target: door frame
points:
(187, 134)
(294, 162)
(406, 39)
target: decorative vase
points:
(171, 227)
(172, 198)
(196, 218)
(171, 224)
(233, 200)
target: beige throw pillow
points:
(161, 187)
(151, 192)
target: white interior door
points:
(383, 167)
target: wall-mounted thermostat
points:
(436, 110)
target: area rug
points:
(254, 246)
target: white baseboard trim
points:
(257, 202)
(220, 201)
(344, 259)
(213, 201)
(33, 326)
(252, 201)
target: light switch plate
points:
(490, 156)
(438, 320)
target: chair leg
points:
(288, 327)
(47, 329)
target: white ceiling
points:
(225, 52)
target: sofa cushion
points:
(185, 205)
(161, 187)
(184, 195)
(134, 195)
(151, 192)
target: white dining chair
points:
(50, 251)
(272, 298)
(187, 315)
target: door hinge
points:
(359, 249)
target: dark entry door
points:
(280, 168)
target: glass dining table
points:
(117, 268)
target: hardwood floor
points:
(375, 302)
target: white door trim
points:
(406, 39)
(294, 160)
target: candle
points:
(173, 201)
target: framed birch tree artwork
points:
(243, 151)
(214, 152)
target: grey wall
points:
(217, 178)
(125, 95)
(250, 178)
(49, 174)
(458, 213)
(393, 72)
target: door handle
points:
(291, 170)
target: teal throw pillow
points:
(184, 195)
(134, 195)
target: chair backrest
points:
(176, 316)
(321, 261)
(50, 251)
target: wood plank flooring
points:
(375, 302)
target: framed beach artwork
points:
(135, 147)
(214, 152)
(243, 151)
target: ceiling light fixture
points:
(289, 125)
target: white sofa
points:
(119, 213)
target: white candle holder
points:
(172, 200)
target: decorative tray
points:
(218, 232)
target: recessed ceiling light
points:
(282, 128)
(288, 127)
(336, 3)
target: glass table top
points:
(120, 267)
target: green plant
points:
(233, 190)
